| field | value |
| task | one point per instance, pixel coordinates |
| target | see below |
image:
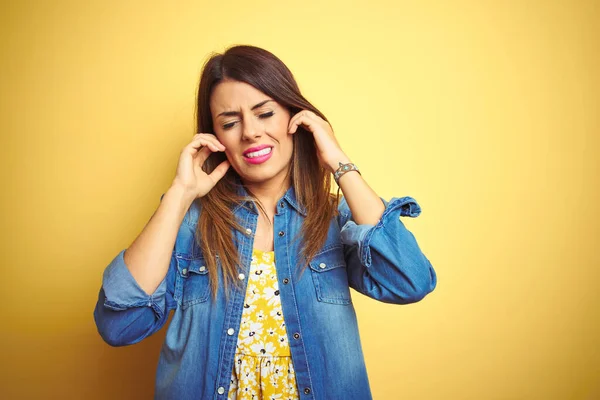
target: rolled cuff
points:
(123, 292)
(353, 234)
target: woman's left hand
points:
(328, 149)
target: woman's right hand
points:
(190, 175)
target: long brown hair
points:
(311, 181)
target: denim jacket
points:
(381, 261)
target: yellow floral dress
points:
(263, 366)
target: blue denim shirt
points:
(382, 261)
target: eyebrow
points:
(234, 113)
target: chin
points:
(260, 176)
(257, 177)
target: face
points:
(254, 130)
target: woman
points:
(254, 254)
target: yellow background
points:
(485, 112)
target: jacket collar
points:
(289, 197)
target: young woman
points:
(254, 254)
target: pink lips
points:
(260, 159)
(257, 148)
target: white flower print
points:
(292, 387)
(275, 299)
(276, 314)
(257, 273)
(267, 257)
(256, 327)
(232, 395)
(273, 380)
(263, 361)
(278, 372)
(248, 377)
(263, 348)
(283, 340)
(254, 294)
(249, 308)
(248, 333)
(269, 294)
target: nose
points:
(251, 128)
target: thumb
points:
(220, 171)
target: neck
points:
(269, 192)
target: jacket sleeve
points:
(384, 260)
(124, 313)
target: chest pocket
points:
(328, 270)
(193, 280)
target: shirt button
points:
(286, 281)
(184, 271)
(202, 268)
(281, 233)
(230, 331)
(296, 335)
(221, 390)
(281, 205)
(241, 276)
(306, 390)
(323, 265)
(248, 231)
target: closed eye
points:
(266, 115)
(261, 116)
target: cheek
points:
(225, 141)
(282, 131)
(287, 145)
(230, 150)
(280, 124)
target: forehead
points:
(235, 95)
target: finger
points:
(299, 114)
(202, 155)
(308, 114)
(300, 121)
(305, 114)
(210, 137)
(292, 124)
(220, 171)
(201, 141)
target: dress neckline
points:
(259, 252)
